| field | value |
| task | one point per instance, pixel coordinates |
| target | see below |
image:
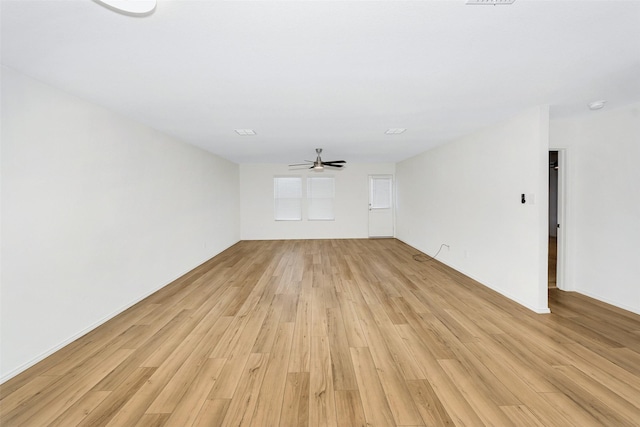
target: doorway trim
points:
(561, 277)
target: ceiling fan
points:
(318, 165)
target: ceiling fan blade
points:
(318, 164)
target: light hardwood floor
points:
(338, 333)
(553, 261)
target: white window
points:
(320, 192)
(380, 197)
(287, 196)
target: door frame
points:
(561, 279)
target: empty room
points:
(320, 213)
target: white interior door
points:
(380, 206)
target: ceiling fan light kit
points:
(318, 165)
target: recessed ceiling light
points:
(245, 132)
(597, 105)
(394, 131)
(490, 2)
(130, 7)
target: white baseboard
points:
(634, 310)
(74, 337)
(7, 376)
(538, 310)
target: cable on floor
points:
(420, 257)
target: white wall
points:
(602, 224)
(350, 204)
(467, 194)
(97, 213)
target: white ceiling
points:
(307, 74)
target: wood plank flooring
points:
(338, 333)
(553, 261)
